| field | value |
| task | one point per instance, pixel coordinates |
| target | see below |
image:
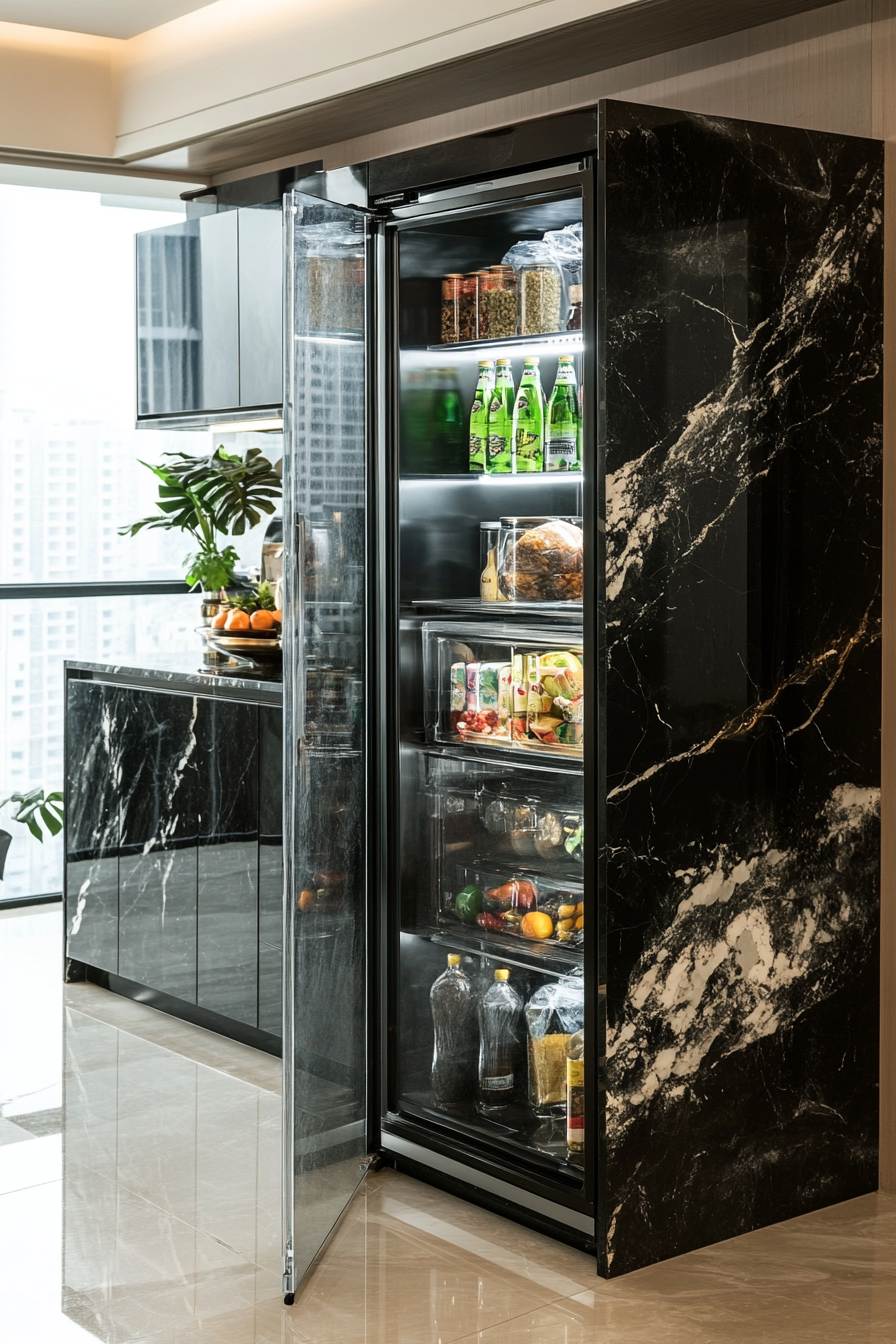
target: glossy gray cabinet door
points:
(91, 832)
(157, 868)
(219, 291)
(169, 320)
(227, 783)
(261, 306)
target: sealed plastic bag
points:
(553, 1015)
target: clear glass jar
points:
(540, 295)
(469, 308)
(487, 284)
(540, 559)
(451, 286)
(502, 314)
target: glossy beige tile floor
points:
(139, 1205)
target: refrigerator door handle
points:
(298, 634)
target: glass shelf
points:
(570, 342)
(568, 612)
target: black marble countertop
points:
(182, 672)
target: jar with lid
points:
(539, 297)
(540, 559)
(469, 307)
(451, 287)
(487, 283)
(502, 303)
(488, 562)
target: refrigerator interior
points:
(485, 807)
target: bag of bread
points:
(540, 559)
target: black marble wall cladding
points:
(158, 809)
(93, 771)
(743, 299)
(227, 980)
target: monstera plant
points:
(211, 498)
(33, 809)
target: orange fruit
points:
(580, 922)
(261, 620)
(237, 620)
(278, 616)
(220, 620)
(537, 925)
(306, 899)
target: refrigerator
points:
(521, 719)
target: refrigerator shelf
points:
(563, 342)
(568, 612)
(510, 950)
(541, 1147)
(498, 754)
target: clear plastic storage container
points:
(540, 559)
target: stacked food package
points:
(535, 699)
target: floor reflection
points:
(154, 1217)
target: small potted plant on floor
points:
(212, 498)
(32, 809)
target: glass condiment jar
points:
(487, 283)
(540, 292)
(469, 307)
(502, 315)
(451, 291)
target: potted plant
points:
(33, 808)
(212, 498)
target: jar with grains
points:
(469, 307)
(451, 306)
(502, 303)
(540, 295)
(486, 283)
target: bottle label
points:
(562, 453)
(499, 1084)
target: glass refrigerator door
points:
(325, 1075)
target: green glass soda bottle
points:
(528, 420)
(479, 414)
(449, 447)
(563, 447)
(500, 421)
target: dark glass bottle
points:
(450, 432)
(500, 1044)
(452, 1000)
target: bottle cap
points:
(532, 359)
(502, 975)
(453, 958)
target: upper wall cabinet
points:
(209, 317)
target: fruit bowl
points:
(249, 646)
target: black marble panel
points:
(270, 989)
(270, 838)
(93, 768)
(742, 286)
(227, 980)
(158, 838)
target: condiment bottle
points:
(574, 316)
(575, 1093)
(488, 557)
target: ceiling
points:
(101, 18)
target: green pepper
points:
(468, 903)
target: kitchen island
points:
(174, 846)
